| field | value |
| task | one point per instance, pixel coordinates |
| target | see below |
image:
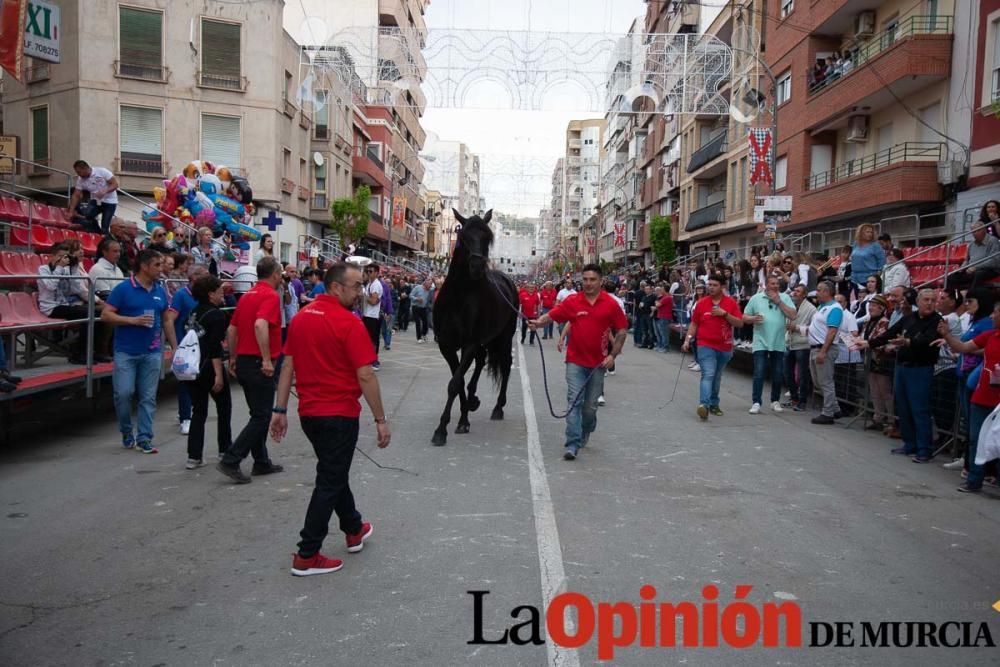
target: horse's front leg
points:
(473, 401)
(469, 355)
(441, 433)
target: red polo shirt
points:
(590, 325)
(529, 304)
(715, 332)
(328, 345)
(260, 303)
(548, 297)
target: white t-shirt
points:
(563, 293)
(374, 287)
(98, 182)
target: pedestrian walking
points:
(548, 296)
(329, 354)
(372, 308)
(592, 314)
(712, 322)
(136, 308)
(420, 297)
(254, 342)
(531, 302)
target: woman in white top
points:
(895, 273)
(266, 248)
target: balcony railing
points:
(911, 151)
(223, 82)
(305, 122)
(287, 186)
(145, 166)
(319, 202)
(706, 216)
(912, 25)
(156, 73)
(715, 147)
(36, 73)
(372, 155)
(321, 132)
(377, 217)
(304, 193)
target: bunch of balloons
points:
(204, 195)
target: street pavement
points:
(111, 557)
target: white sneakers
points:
(776, 407)
(755, 409)
(957, 464)
(600, 400)
(693, 366)
(185, 427)
(193, 464)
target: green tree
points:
(661, 239)
(349, 216)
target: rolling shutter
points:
(40, 134)
(141, 132)
(141, 37)
(220, 140)
(220, 50)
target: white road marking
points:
(550, 561)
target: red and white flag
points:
(620, 234)
(761, 149)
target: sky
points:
(519, 149)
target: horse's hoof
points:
(497, 414)
(439, 439)
(462, 428)
(472, 403)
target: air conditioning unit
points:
(857, 129)
(864, 25)
(949, 171)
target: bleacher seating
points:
(40, 238)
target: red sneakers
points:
(317, 564)
(356, 542)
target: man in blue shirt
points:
(182, 304)
(136, 308)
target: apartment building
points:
(383, 41)
(454, 170)
(145, 88)
(582, 178)
(863, 142)
(715, 199)
(983, 19)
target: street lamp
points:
(392, 196)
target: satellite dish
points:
(359, 260)
(318, 159)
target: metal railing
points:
(712, 149)
(706, 216)
(910, 151)
(15, 186)
(911, 25)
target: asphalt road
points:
(115, 558)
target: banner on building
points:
(41, 31)
(398, 211)
(761, 150)
(8, 151)
(591, 245)
(619, 234)
(775, 211)
(12, 17)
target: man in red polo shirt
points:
(254, 340)
(548, 294)
(329, 353)
(592, 313)
(530, 303)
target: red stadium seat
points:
(40, 238)
(89, 243)
(40, 213)
(57, 235)
(959, 253)
(15, 210)
(26, 308)
(14, 263)
(87, 264)
(7, 315)
(70, 234)
(32, 262)
(45, 257)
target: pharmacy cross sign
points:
(272, 221)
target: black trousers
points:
(333, 439)
(962, 280)
(420, 321)
(76, 313)
(200, 390)
(403, 316)
(524, 330)
(258, 389)
(374, 327)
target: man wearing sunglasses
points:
(768, 312)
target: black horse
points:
(474, 321)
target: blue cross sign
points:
(272, 220)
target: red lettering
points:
(710, 616)
(606, 639)
(793, 623)
(647, 617)
(668, 627)
(555, 620)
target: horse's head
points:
(473, 242)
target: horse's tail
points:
(499, 355)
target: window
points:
(140, 50)
(140, 140)
(285, 252)
(286, 94)
(40, 135)
(742, 183)
(319, 178)
(995, 28)
(784, 87)
(220, 139)
(786, 7)
(732, 186)
(781, 173)
(322, 127)
(303, 172)
(286, 163)
(220, 55)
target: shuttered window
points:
(141, 43)
(141, 140)
(322, 114)
(220, 140)
(40, 135)
(220, 54)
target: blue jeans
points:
(912, 390)
(548, 328)
(712, 362)
(184, 401)
(136, 376)
(662, 334)
(92, 209)
(977, 415)
(761, 359)
(803, 388)
(387, 322)
(582, 418)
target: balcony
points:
(706, 216)
(322, 133)
(222, 81)
(908, 58)
(304, 193)
(715, 147)
(574, 143)
(369, 169)
(902, 175)
(36, 73)
(287, 186)
(305, 122)
(153, 73)
(148, 165)
(289, 108)
(319, 202)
